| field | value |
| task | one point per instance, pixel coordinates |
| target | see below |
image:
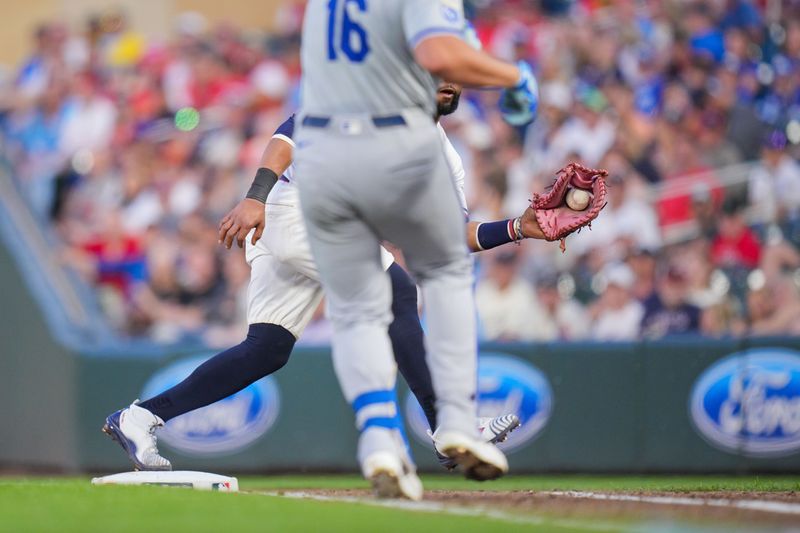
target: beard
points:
(447, 108)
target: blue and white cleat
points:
(496, 430)
(134, 428)
(491, 429)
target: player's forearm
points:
(453, 60)
(277, 156)
(275, 160)
(483, 236)
(487, 235)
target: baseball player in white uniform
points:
(370, 167)
(284, 293)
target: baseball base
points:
(178, 478)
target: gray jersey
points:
(357, 54)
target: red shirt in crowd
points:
(739, 250)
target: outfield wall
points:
(585, 408)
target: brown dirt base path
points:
(736, 508)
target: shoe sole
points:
(450, 464)
(386, 484)
(111, 429)
(473, 466)
(388, 479)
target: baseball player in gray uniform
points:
(370, 167)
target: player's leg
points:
(408, 342)
(281, 301)
(358, 293)
(265, 350)
(428, 226)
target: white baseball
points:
(578, 199)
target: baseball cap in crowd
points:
(621, 275)
(642, 251)
(616, 178)
(775, 140)
(732, 206)
(701, 193)
(556, 94)
(782, 65)
(548, 280)
(505, 257)
(593, 99)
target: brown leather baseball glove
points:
(554, 216)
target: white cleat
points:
(479, 460)
(492, 430)
(496, 430)
(391, 477)
(134, 428)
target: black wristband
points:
(263, 183)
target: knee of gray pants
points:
(371, 306)
(456, 268)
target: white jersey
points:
(456, 166)
(358, 57)
(284, 280)
(285, 193)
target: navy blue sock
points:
(265, 351)
(408, 342)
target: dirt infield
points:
(730, 507)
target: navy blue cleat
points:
(133, 428)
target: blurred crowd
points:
(133, 149)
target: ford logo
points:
(750, 403)
(506, 384)
(222, 427)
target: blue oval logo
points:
(749, 403)
(506, 384)
(222, 427)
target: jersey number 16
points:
(353, 41)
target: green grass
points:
(67, 505)
(72, 504)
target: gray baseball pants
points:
(360, 185)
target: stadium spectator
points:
(736, 245)
(616, 315)
(642, 262)
(667, 312)
(774, 184)
(507, 304)
(563, 318)
(774, 308)
(134, 148)
(588, 134)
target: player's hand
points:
(518, 105)
(530, 226)
(247, 214)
